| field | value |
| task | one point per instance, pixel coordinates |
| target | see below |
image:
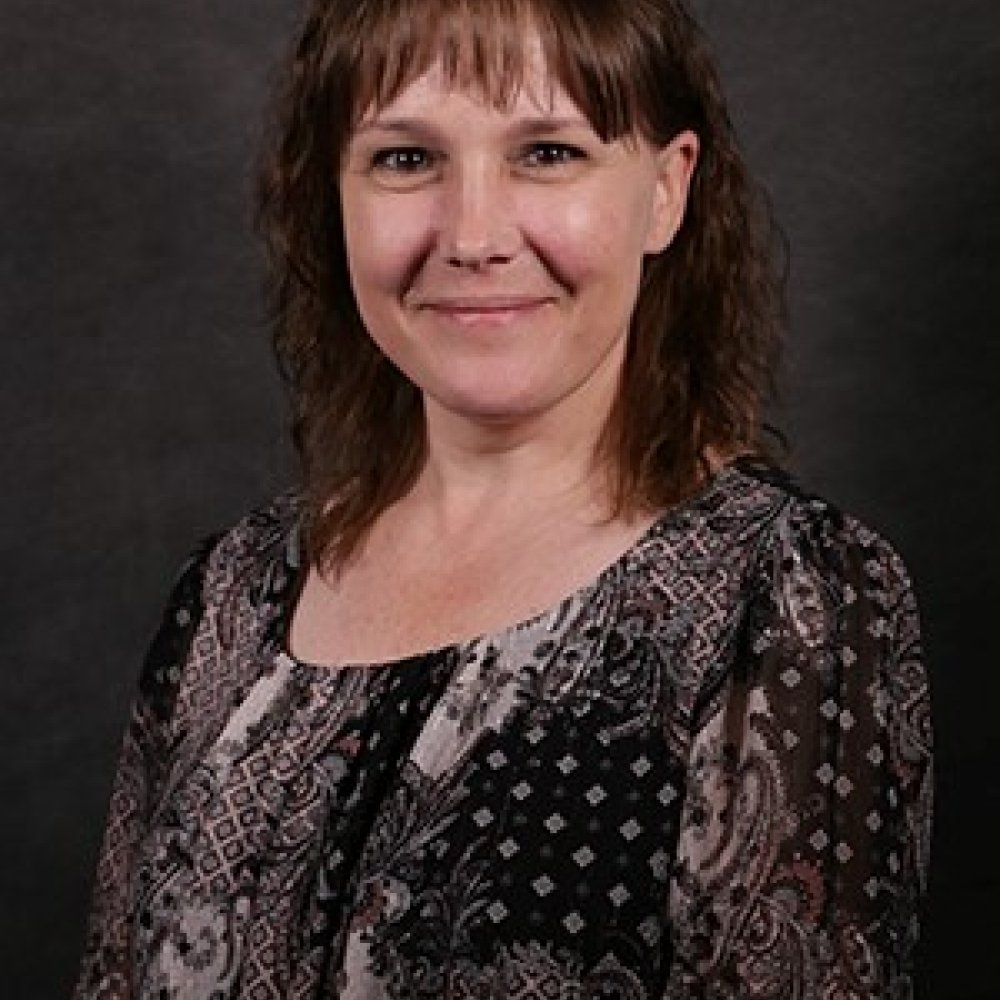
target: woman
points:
(546, 684)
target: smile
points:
(485, 312)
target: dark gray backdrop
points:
(139, 408)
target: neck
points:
(498, 471)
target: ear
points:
(675, 165)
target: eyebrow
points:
(522, 128)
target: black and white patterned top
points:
(706, 774)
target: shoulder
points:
(248, 566)
(239, 553)
(252, 554)
(757, 560)
(829, 603)
(755, 570)
(754, 527)
(817, 564)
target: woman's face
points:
(495, 255)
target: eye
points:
(552, 154)
(402, 159)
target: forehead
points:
(515, 76)
(537, 92)
(503, 52)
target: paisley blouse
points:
(704, 775)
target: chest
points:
(465, 820)
(398, 600)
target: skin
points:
(495, 256)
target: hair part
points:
(703, 346)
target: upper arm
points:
(802, 853)
(142, 764)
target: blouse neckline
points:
(296, 567)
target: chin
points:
(490, 408)
(492, 414)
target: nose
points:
(477, 226)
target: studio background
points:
(140, 409)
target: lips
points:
(492, 309)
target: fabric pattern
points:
(705, 775)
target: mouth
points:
(486, 311)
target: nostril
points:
(476, 261)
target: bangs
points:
(594, 50)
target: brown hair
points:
(705, 331)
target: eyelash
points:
(388, 159)
(399, 159)
(565, 152)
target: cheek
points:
(591, 241)
(385, 240)
(570, 238)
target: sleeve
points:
(142, 767)
(802, 856)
